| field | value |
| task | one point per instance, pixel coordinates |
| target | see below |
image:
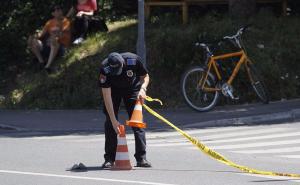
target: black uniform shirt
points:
(129, 79)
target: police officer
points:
(122, 77)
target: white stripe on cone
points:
(121, 156)
(122, 141)
(138, 107)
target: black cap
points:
(114, 65)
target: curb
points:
(296, 114)
(291, 116)
(9, 127)
(280, 117)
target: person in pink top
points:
(84, 10)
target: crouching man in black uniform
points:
(122, 77)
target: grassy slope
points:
(169, 51)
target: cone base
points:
(122, 165)
(137, 124)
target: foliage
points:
(274, 47)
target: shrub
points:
(170, 50)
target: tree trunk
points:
(242, 9)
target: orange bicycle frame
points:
(212, 64)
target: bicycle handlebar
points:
(203, 45)
(235, 38)
(239, 33)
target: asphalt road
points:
(46, 160)
(39, 147)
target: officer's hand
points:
(142, 95)
(116, 125)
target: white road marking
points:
(268, 151)
(152, 137)
(290, 156)
(170, 144)
(197, 131)
(226, 135)
(184, 142)
(256, 144)
(166, 140)
(243, 133)
(81, 177)
(271, 136)
(288, 179)
(83, 140)
(65, 137)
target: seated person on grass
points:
(52, 40)
(84, 10)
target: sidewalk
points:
(53, 121)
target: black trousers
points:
(129, 99)
(81, 25)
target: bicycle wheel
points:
(194, 96)
(257, 84)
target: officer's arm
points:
(144, 81)
(110, 108)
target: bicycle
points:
(201, 86)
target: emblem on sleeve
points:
(131, 62)
(129, 73)
(102, 78)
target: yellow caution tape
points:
(211, 152)
(148, 98)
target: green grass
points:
(169, 52)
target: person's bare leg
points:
(54, 45)
(36, 46)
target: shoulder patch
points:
(129, 73)
(106, 70)
(102, 78)
(131, 62)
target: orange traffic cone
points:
(122, 161)
(136, 119)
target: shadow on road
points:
(86, 169)
(99, 168)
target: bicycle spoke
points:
(257, 84)
(193, 94)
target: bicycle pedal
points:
(236, 98)
(232, 96)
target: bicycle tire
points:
(257, 84)
(192, 77)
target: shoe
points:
(78, 40)
(82, 166)
(74, 167)
(79, 167)
(41, 65)
(143, 163)
(107, 164)
(48, 70)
